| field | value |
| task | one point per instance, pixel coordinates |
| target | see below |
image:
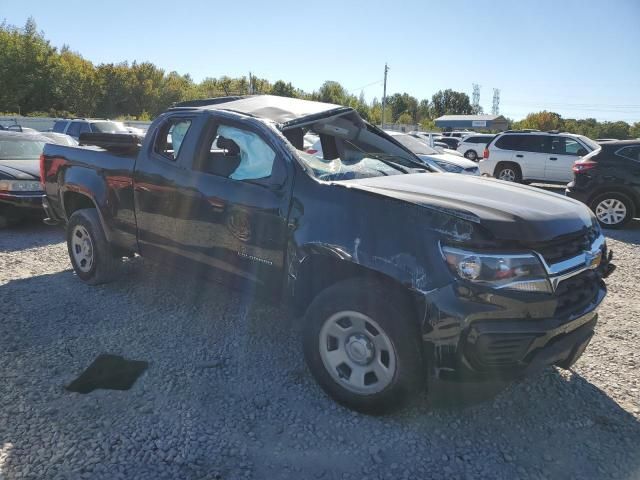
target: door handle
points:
(553, 158)
(520, 156)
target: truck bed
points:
(67, 172)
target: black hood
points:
(509, 211)
(20, 169)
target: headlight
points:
(449, 167)
(523, 271)
(20, 186)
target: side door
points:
(163, 191)
(241, 182)
(564, 151)
(531, 155)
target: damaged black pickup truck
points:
(403, 274)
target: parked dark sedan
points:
(608, 180)
(451, 142)
(20, 190)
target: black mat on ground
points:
(111, 372)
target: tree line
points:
(38, 79)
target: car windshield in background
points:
(108, 127)
(593, 145)
(415, 145)
(20, 149)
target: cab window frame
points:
(279, 170)
(163, 130)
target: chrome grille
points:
(568, 247)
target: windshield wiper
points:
(398, 166)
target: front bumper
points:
(19, 204)
(508, 334)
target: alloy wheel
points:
(507, 174)
(611, 211)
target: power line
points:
(377, 82)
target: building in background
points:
(472, 122)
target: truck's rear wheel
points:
(92, 258)
(363, 348)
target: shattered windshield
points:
(338, 169)
(348, 148)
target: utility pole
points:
(250, 85)
(384, 94)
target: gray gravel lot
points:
(227, 394)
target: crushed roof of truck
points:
(283, 110)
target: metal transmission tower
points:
(475, 99)
(495, 109)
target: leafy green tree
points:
(618, 130)
(634, 131)
(175, 88)
(74, 84)
(403, 103)
(331, 92)
(26, 68)
(450, 102)
(542, 121)
(429, 125)
(405, 119)
(283, 89)
(424, 110)
(114, 90)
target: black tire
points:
(503, 167)
(396, 319)
(613, 197)
(106, 264)
(471, 155)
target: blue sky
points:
(578, 58)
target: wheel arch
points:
(503, 163)
(74, 199)
(617, 189)
(316, 272)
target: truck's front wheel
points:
(362, 347)
(91, 255)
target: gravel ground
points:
(227, 394)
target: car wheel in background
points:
(509, 172)
(362, 346)
(92, 258)
(471, 155)
(613, 210)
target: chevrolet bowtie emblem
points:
(592, 259)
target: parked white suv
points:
(530, 156)
(472, 146)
